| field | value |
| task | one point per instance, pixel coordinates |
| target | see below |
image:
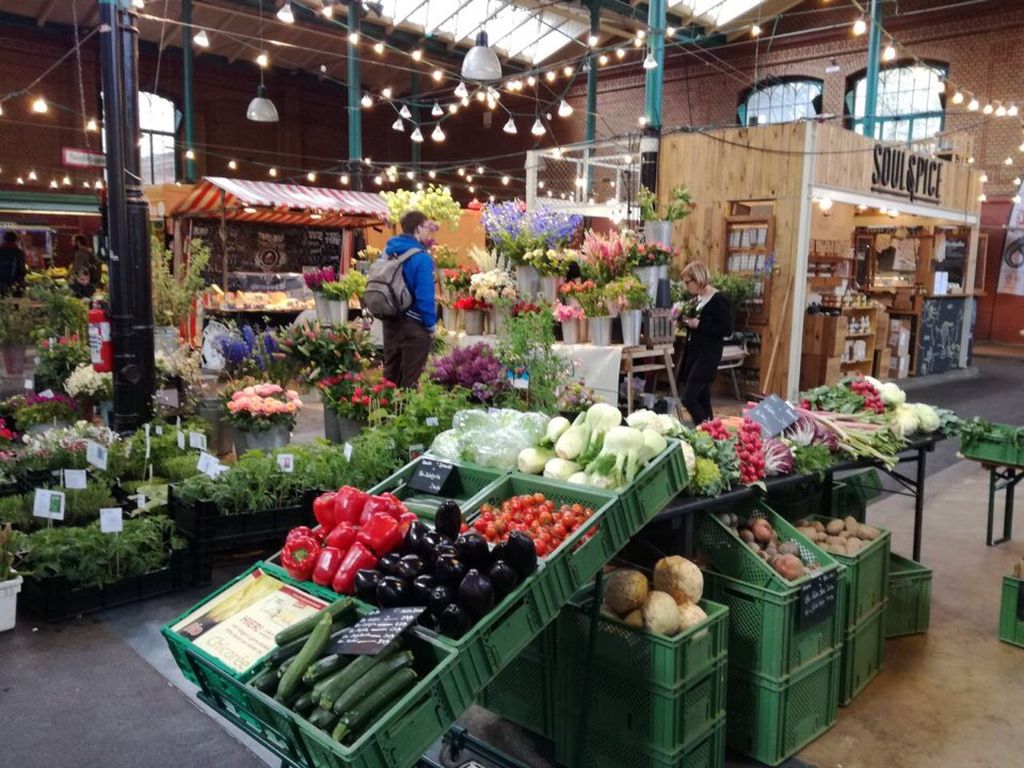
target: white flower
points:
(88, 384)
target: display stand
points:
(630, 355)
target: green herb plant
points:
(676, 209)
(173, 294)
(528, 345)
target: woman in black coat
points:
(704, 341)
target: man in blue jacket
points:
(407, 340)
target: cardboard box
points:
(882, 330)
(899, 337)
(881, 367)
(899, 366)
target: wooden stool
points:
(660, 352)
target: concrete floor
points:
(102, 690)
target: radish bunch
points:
(715, 428)
(872, 399)
(750, 452)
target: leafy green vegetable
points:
(811, 459)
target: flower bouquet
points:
(574, 397)
(86, 383)
(497, 289)
(322, 351)
(572, 319)
(340, 293)
(473, 314)
(455, 283)
(627, 297)
(445, 257)
(595, 309)
(362, 399)
(475, 368)
(262, 414)
(605, 257)
(651, 261)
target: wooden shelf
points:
(828, 258)
(860, 335)
(747, 249)
(856, 362)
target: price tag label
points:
(286, 462)
(773, 414)
(348, 451)
(375, 632)
(74, 479)
(111, 520)
(431, 421)
(48, 504)
(140, 500)
(818, 599)
(46, 393)
(96, 454)
(30, 384)
(159, 430)
(430, 476)
(181, 440)
(208, 464)
(519, 379)
(197, 440)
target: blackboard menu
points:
(938, 346)
(818, 599)
(773, 414)
(373, 633)
(254, 247)
(430, 476)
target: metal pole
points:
(142, 371)
(591, 130)
(416, 155)
(188, 117)
(355, 117)
(874, 62)
(652, 96)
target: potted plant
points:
(174, 292)
(338, 293)
(17, 325)
(35, 414)
(595, 309)
(10, 580)
(454, 286)
(472, 314)
(651, 261)
(737, 289)
(475, 368)
(658, 228)
(88, 385)
(57, 358)
(574, 397)
(571, 317)
(316, 280)
(497, 290)
(262, 415)
(627, 297)
(551, 265)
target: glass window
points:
(718, 11)
(158, 122)
(781, 101)
(909, 105)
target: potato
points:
(835, 541)
(868, 532)
(789, 567)
(661, 614)
(853, 545)
(771, 550)
(680, 578)
(818, 525)
(834, 527)
(626, 590)
(690, 615)
(789, 548)
(822, 536)
(762, 531)
(634, 618)
(851, 523)
(747, 536)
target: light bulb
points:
(232, 165)
(344, 178)
(958, 98)
(889, 54)
(531, 81)
(32, 175)
(602, 59)
(973, 105)
(189, 154)
(505, 180)
(417, 54)
(85, 184)
(98, 184)
(328, 11)
(510, 127)
(378, 180)
(53, 183)
(432, 174)
(273, 172)
(366, 101)
(982, 198)
(592, 41)
(620, 53)
(20, 180)
(481, 95)
(437, 134)
(461, 91)
(469, 177)
(1008, 160)
(398, 125)
(39, 106)
(436, 110)
(825, 204)
(404, 112)
(983, 178)
(550, 76)
(480, 169)
(987, 109)
(66, 181)
(860, 27)
(410, 175)
(263, 60)
(378, 48)
(638, 42)
(472, 189)
(564, 109)
(353, 37)
(970, 160)
(1012, 110)
(461, 171)
(465, 101)
(1000, 111)
(540, 184)
(670, 31)
(92, 125)
(567, 71)
(311, 176)
(386, 92)
(438, 75)
(416, 135)
(419, 185)
(641, 34)
(538, 128)
(285, 14)
(755, 30)
(453, 108)
(642, 120)
(650, 62)
(1016, 199)
(201, 39)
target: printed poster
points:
(1011, 266)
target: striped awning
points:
(266, 201)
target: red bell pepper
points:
(385, 502)
(300, 554)
(357, 558)
(406, 520)
(382, 533)
(320, 533)
(327, 565)
(342, 537)
(299, 530)
(324, 510)
(348, 504)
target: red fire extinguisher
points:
(100, 346)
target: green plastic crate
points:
(866, 577)
(863, 655)
(604, 750)
(863, 486)
(1002, 446)
(732, 557)
(771, 720)
(643, 656)
(524, 692)
(764, 637)
(1011, 627)
(654, 487)
(910, 597)
(466, 484)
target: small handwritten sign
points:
(375, 632)
(818, 599)
(286, 462)
(431, 421)
(75, 479)
(96, 454)
(111, 520)
(348, 451)
(208, 464)
(197, 440)
(48, 504)
(773, 414)
(430, 476)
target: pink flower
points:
(292, 394)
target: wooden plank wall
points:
(741, 164)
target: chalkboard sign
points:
(941, 322)
(773, 414)
(430, 476)
(374, 633)
(1020, 601)
(818, 599)
(254, 246)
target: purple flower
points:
(475, 368)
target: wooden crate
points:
(881, 364)
(824, 335)
(816, 370)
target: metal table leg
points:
(1002, 479)
(919, 503)
(991, 504)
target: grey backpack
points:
(387, 296)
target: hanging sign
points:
(373, 633)
(904, 174)
(1011, 266)
(82, 158)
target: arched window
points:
(158, 122)
(780, 100)
(910, 105)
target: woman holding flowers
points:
(704, 341)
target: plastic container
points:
(863, 655)
(866, 577)
(910, 597)
(1002, 446)
(603, 750)
(9, 602)
(771, 720)
(659, 482)
(1011, 625)
(524, 692)
(465, 484)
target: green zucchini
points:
(304, 627)
(265, 681)
(325, 667)
(322, 685)
(304, 703)
(310, 652)
(383, 697)
(323, 718)
(284, 667)
(283, 652)
(350, 675)
(370, 681)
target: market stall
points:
(883, 237)
(264, 236)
